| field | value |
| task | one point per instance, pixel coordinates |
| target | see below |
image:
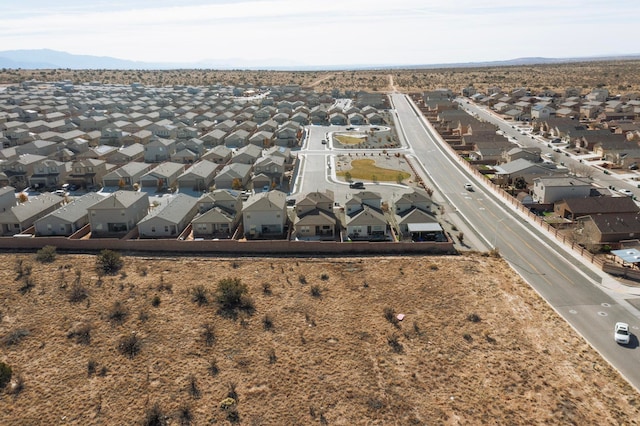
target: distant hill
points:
(51, 59)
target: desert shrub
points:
(272, 356)
(467, 337)
(5, 375)
(302, 279)
(27, 285)
(130, 345)
(185, 417)
(213, 367)
(394, 341)
(390, 315)
(473, 317)
(266, 289)
(267, 322)
(46, 254)
(118, 313)
(91, 367)
(81, 333)
(192, 387)
(316, 291)
(199, 295)
(324, 277)
(208, 334)
(143, 271)
(77, 293)
(231, 295)
(154, 417)
(15, 337)
(155, 301)
(143, 316)
(109, 262)
(232, 391)
(22, 269)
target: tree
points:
(348, 176)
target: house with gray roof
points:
(7, 198)
(126, 176)
(264, 215)
(198, 177)
(159, 150)
(169, 219)
(118, 214)
(247, 155)
(20, 217)
(233, 176)
(219, 154)
(68, 218)
(163, 176)
(548, 190)
(127, 154)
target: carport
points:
(427, 231)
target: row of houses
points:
(223, 214)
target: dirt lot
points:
(476, 345)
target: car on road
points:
(324, 142)
(468, 186)
(621, 333)
(626, 192)
(356, 185)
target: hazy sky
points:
(323, 32)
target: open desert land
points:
(617, 76)
(315, 341)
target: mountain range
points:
(52, 59)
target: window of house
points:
(166, 228)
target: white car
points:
(621, 333)
(626, 192)
(468, 186)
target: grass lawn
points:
(367, 169)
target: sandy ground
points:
(476, 345)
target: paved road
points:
(573, 289)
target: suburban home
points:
(233, 176)
(418, 224)
(18, 170)
(219, 154)
(162, 177)
(315, 218)
(264, 215)
(227, 199)
(159, 150)
(67, 219)
(169, 219)
(18, 218)
(337, 119)
(573, 208)
(126, 176)
(284, 152)
(236, 139)
(272, 167)
(118, 214)
(548, 190)
(7, 198)
(530, 153)
(88, 173)
(127, 154)
(219, 214)
(185, 156)
(597, 230)
(262, 138)
(49, 174)
(214, 137)
(368, 198)
(198, 177)
(247, 155)
(416, 198)
(287, 136)
(525, 171)
(367, 223)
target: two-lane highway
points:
(569, 286)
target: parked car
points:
(324, 142)
(291, 201)
(621, 333)
(626, 192)
(356, 185)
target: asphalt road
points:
(572, 288)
